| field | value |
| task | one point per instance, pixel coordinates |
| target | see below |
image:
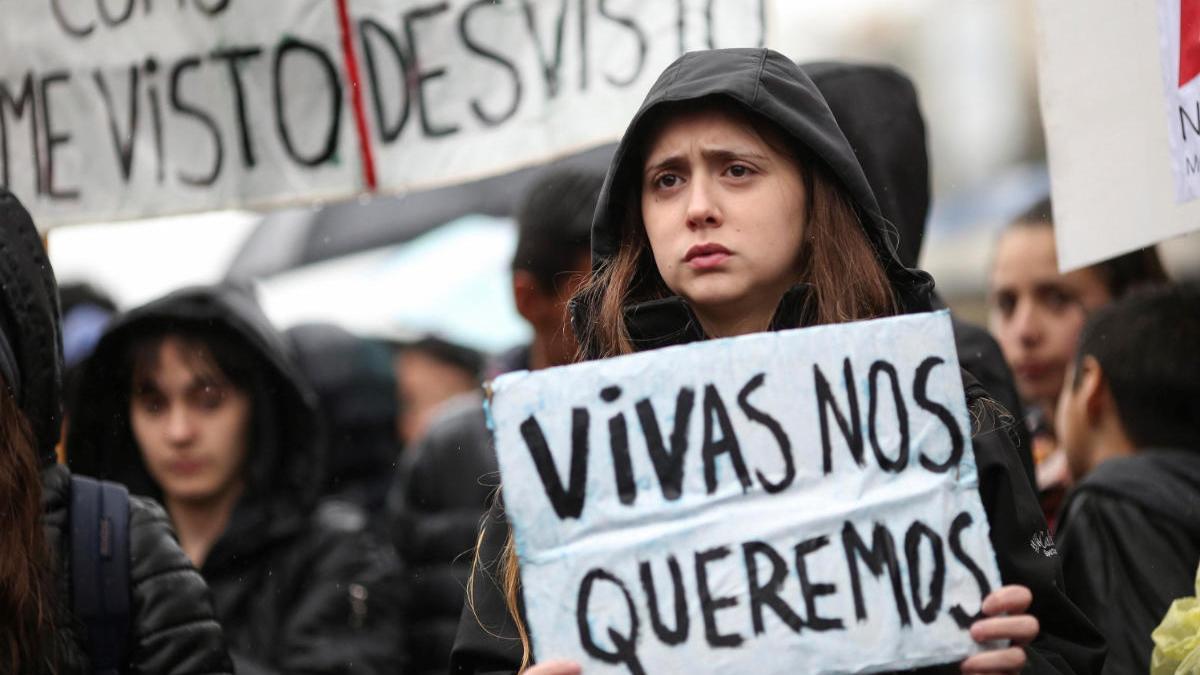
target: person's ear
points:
(1092, 390)
(528, 296)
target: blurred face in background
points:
(423, 383)
(190, 423)
(1036, 314)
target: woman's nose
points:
(703, 210)
(1027, 322)
(180, 427)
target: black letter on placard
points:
(921, 381)
(785, 444)
(66, 25)
(625, 646)
(811, 591)
(961, 522)
(618, 438)
(156, 121)
(567, 503)
(410, 18)
(714, 406)
(124, 148)
(937, 579)
(668, 465)
(287, 46)
(708, 604)
(53, 139)
(642, 46)
(666, 635)
(388, 131)
(233, 58)
(881, 554)
(1193, 123)
(214, 9)
(897, 465)
(474, 47)
(117, 19)
(185, 108)
(767, 595)
(851, 430)
(26, 102)
(549, 68)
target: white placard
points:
(119, 109)
(803, 501)
(1123, 175)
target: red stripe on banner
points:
(1189, 40)
(360, 117)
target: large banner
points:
(116, 109)
(792, 502)
(1121, 108)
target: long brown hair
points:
(26, 584)
(846, 274)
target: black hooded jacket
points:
(768, 84)
(297, 590)
(1130, 542)
(172, 628)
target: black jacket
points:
(768, 84)
(299, 589)
(172, 629)
(1130, 543)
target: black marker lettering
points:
(709, 605)
(887, 464)
(423, 76)
(53, 139)
(233, 58)
(25, 103)
(667, 636)
(156, 121)
(937, 580)
(642, 44)
(920, 383)
(190, 110)
(767, 594)
(389, 129)
(124, 148)
(74, 29)
(852, 429)
(881, 554)
(567, 503)
(810, 591)
(624, 646)
(549, 67)
(292, 45)
(785, 444)
(473, 46)
(961, 522)
(714, 408)
(668, 465)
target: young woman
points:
(734, 204)
(171, 625)
(192, 399)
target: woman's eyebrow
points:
(669, 162)
(711, 155)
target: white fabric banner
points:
(118, 109)
(1123, 177)
(793, 502)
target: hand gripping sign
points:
(803, 501)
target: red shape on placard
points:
(1189, 40)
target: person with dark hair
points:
(735, 205)
(444, 481)
(171, 628)
(1129, 420)
(429, 372)
(1036, 314)
(193, 399)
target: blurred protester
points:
(86, 312)
(444, 481)
(356, 391)
(1129, 420)
(429, 372)
(877, 108)
(171, 628)
(1036, 314)
(192, 399)
(800, 242)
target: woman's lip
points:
(186, 466)
(707, 261)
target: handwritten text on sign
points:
(114, 109)
(808, 495)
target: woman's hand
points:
(555, 668)
(1005, 608)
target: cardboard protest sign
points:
(116, 109)
(803, 501)
(1121, 110)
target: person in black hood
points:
(171, 624)
(1129, 420)
(734, 204)
(192, 398)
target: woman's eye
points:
(1058, 300)
(210, 398)
(666, 181)
(151, 404)
(739, 171)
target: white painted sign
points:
(1123, 176)
(803, 501)
(117, 109)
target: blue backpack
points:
(100, 570)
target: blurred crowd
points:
(310, 500)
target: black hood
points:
(31, 353)
(767, 84)
(877, 108)
(284, 472)
(1163, 482)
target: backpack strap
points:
(100, 569)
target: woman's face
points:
(191, 425)
(1036, 314)
(724, 214)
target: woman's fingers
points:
(1007, 600)
(555, 668)
(1000, 661)
(1020, 629)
